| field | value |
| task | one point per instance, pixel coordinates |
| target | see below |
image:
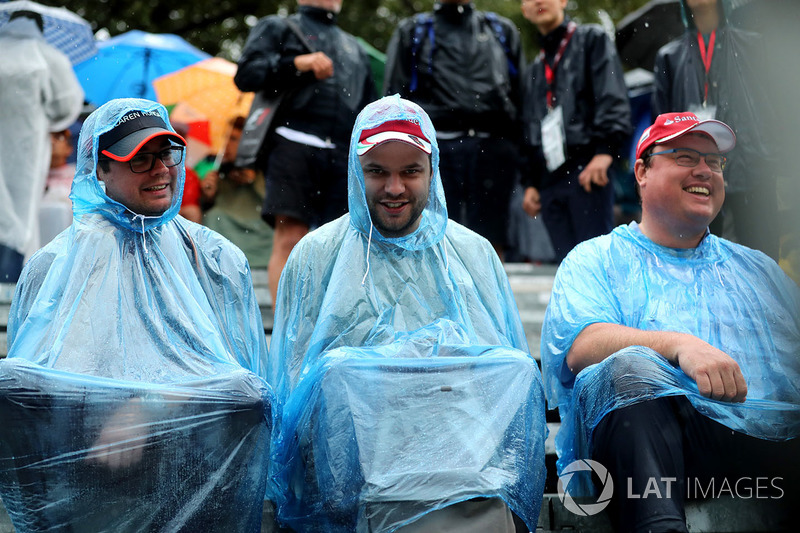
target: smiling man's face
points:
(397, 178)
(145, 193)
(677, 200)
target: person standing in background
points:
(305, 155)
(713, 71)
(576, 117)
(234, 207)
(39, 93)
(462, 67)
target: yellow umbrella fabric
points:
(207, 88)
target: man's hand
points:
(596, 172)
(317, 62)
(717, 375)
(123, 438)
(209, 185)
(242, 176)
(531, 202)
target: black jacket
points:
(589, 87)
(735, 87)
(326, 108)
(471, 80)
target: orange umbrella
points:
(195, 128)
(207, 88)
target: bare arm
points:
(717, 375)
(532, 202)
(596, 172)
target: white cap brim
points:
(719, 131)
(385, 136)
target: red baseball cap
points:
(393, 130)
(669, 126)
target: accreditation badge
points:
(553, 139)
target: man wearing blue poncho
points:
(136, 353)
(410, 398)
(672, 354)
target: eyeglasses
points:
(686, 157)
(145, 161)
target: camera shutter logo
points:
(585, 509)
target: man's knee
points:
(288, 232)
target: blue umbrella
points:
(127, 64)
(62, 28)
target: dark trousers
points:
(304, 182)
(662, 452)
(10, 264)
(478, 177)
(572, 215)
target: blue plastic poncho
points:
(133, 382)
(371, 336)
(734, 298)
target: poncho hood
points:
(22, 28)
(434, 218)
(88, 193)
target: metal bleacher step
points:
(709, 516)
(530, 284)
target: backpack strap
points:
(299, 33)
(423, 24)
(497, 28)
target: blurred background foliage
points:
(220, 27)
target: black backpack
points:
(423, 25)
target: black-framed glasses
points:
(145, 161)
(687, 157)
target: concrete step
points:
(727, 515)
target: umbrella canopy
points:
(207, 88)
(62, 28)
(127, 64)
(641, 33)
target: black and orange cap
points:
(132, 131)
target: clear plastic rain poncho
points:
(133, 383)
(403, 369)
(734, 298)
(39, 93)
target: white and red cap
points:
(393, 130)
(132, 131)
(669, 126)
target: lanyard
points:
(550, 71)
(706, 55)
